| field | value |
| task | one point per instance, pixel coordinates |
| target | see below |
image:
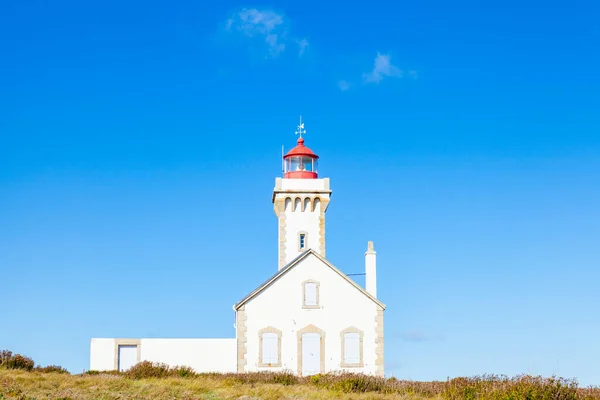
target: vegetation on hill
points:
(8, 360)
(21, 380)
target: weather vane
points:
(300, 131)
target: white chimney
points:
(371, 270)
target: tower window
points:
(302, 241)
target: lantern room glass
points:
(301, 163)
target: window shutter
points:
(351, 348)
(310, 294)
(270, 348)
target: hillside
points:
(29, 385)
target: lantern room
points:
(300, 162)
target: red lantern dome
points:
(300, 162)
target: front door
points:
(127, 357)
(311, 353)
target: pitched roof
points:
(291, 265)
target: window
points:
(310, 294)
(300, 164)
(269, 350)
(352, 341)
(302, 240)
(351, 348)
(270, 347)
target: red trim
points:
(301, 150)
(300, 175)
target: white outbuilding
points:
(308, 318)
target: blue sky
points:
(139, 142)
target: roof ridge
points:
(290, 265)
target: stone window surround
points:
(269, 329)
(318, 305)
(127, 342)
(352, 329)
(311, 329)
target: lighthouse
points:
(309, 317)
(300, 199)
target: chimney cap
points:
(370, 247)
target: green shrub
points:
(148, 369)
(5, 355)
(349, 383)
(358, 383)
(9, 360)
(92, 372)
(51, 369)
(184, 372)
(520, 387)
(285, 379)
(316, 379)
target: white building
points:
(309, 317)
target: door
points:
(127, 357)
(311, 353)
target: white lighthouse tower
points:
(300, 199)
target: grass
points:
(21, 379)
(36, 384)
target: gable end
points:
(291, 265)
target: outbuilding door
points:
(127, 357)
(311, 353)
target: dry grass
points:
(23, 385)
(29, 385)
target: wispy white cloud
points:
(382, 67)
(344, 85)
(302, 45)
(272, 29)
(268, 25)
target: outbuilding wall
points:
(203, 355)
